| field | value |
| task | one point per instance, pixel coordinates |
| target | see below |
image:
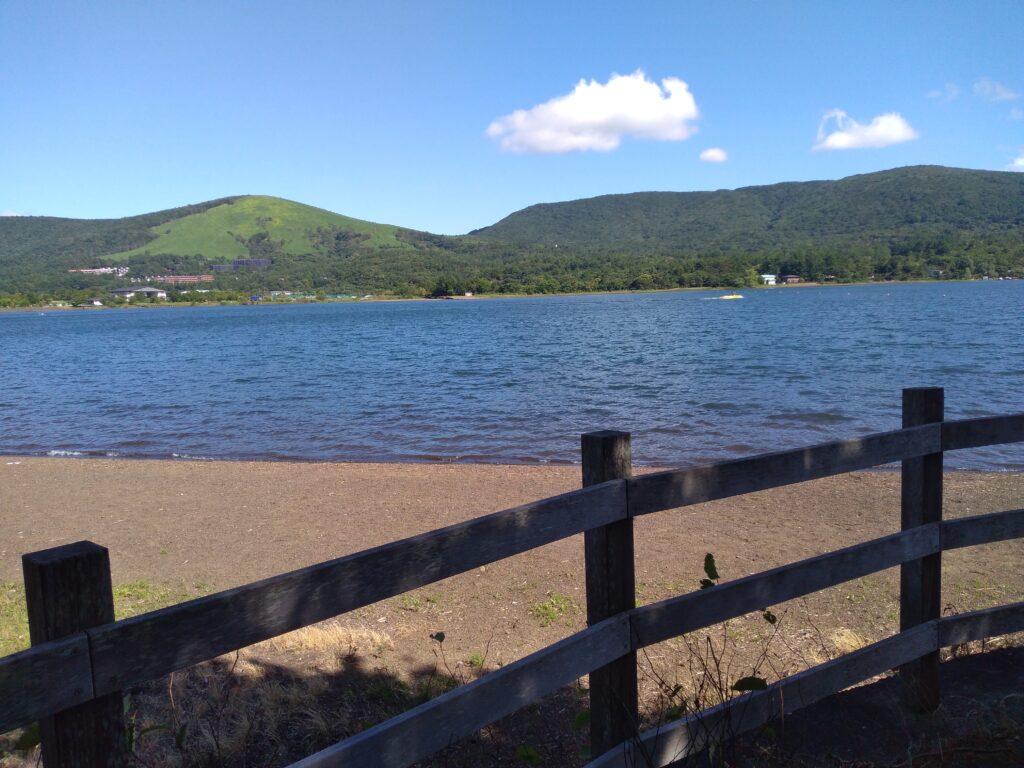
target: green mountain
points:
(37, 252)
(901, 224)
(869, 208)
(226, 231)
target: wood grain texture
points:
(43, 680)
(982, 529)
(688, 736)
(921, 504)
(978, 625)
(430, 727)
(67, 590)
(154, 644)
(974, 433)
(678, 615)
(611, 590)
(681, 487)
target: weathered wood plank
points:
(430, 727)
(686, 613)
(68, 590)
(681, 487)
(674, 741)
(979, 625)
(982, 529)
(975, 433)
(611, 589)
(157, 643)
(44, 680)
(921, 504)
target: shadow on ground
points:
(980, 722)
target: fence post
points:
(921, 580)
(611, 589)
(68, 589)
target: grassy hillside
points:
(223, 232)
(904, 202)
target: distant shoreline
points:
(482, 296)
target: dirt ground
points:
(220, 524)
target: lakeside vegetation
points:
(905, 224)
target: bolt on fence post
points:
(68, 589)
(611, 589)
(921, 580)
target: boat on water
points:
(732, 296)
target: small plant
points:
(528, 754)
(410, 603)
(712, 679)
(556, 606)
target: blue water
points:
(510, 380)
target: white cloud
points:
(948, 92)
(882, 131)
(993, 91)
(714, 155)
(596, 116)
(1017, 164)
(1016, 113)
(9, 213)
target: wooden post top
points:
(63, 553)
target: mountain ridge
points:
(903, 223)
(764, 216)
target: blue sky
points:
(447, 116)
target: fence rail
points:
(86, 664)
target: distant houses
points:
(119, 271)
(182, 279)
(780, 279)
(145, 291)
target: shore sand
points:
(227, 523)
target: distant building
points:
(183, 279)
(147, 291)
(95, 301)
(768, 279)
(790, 279)
(119, 271)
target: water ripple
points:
(510, 380)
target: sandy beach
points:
(226, 523)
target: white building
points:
(149, 292)
(768, 279)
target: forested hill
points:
(906, 223)
(915, 202)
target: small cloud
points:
(714, 155)
(4, 214)
(882, 131)
(1016, 113)
(948, 92)
(993, 91)
(596, 116)
(1017, 164)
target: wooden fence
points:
(72, 678)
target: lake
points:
(513, 380)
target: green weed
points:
(556, 606)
